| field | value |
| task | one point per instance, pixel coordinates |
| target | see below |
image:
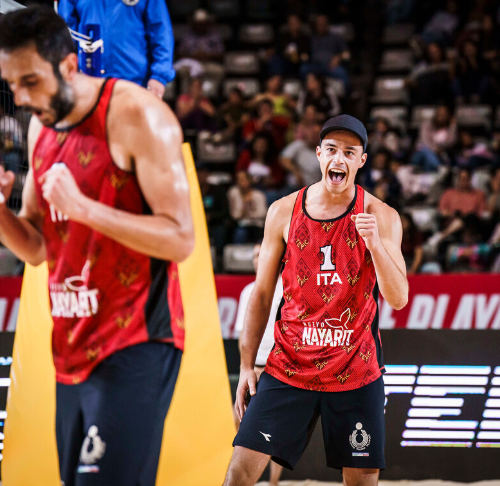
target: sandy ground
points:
(388, 483)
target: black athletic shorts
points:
(280, 420)
(109, 428)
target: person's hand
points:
(248, 382)
(61, 191)
(156, 88)
(6, 182)
(366, 225)
(335, 62)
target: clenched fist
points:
(6, 183)
(61, 191)
(366, 225)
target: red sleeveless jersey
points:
(103, 296)
(326, 333)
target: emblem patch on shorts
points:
(93, 447)
(358, 434)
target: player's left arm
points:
(380, 227)
(148, 134)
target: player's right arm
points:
(259, 305)
(22, 234)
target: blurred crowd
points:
(252, 97)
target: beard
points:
(61, 104)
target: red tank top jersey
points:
(103, 296)
(326, 333)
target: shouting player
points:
(338, 246)
(106, 204)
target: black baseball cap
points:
(345, 122)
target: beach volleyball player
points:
(338, 246)
(106, 204)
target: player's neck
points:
(343, 199)
(87, 91)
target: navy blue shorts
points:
(109, 428)
(280, 420)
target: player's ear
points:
(318, 150)
(68, 67)
(362, 161)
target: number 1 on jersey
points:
(327, 262)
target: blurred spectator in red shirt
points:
(411, 244)
(266, 121)
(463, 199)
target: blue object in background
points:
(89, 59)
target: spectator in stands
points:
(489, 44)
(470, 254)
(309, 117)
(471, 83)
(202, 44)
(436, 137)
(137, 38)
(299, 159)
(328, 53)
(267, 121)
(411, 244)
(378, 178)
(430, 79)
(11, 142)
(442, 25)
(248, 208)
(216, 209)
(493, 204)
(383, 137)
(274, 92)
(292, 49)
(459, 207)
(261, 164)
(194, 110)
(472, 154)
(316, 93)
(234, 114)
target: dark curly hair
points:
(38, 25)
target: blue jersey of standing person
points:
(137, 36)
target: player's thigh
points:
(125, 402)
(353, 425)
(69, 430)
(246, 467)
(279, 420)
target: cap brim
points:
(326, 131)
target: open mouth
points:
(336, 175)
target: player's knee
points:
(360, 477)
(238, 475)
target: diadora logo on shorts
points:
(73, 298)
(266, 436)
(330, 332)
(93, 448)
(359, 433)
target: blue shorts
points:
(280, 420)
(109, 428)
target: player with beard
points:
(106, 204)
(336, 245)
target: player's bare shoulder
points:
(388, 219)
(279, 214)
(137, 119)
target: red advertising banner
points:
(10, 290)
(451, 301)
